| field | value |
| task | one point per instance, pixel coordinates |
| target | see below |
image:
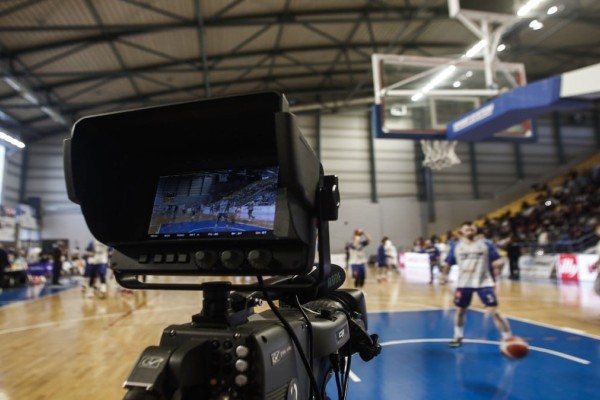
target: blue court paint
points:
(416, 362)
(208, 226)
(31, 292)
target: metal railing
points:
(579, 245)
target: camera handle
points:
(217, 308)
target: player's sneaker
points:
(454, 343)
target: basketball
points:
(514, 347)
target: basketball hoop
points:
(439, 154)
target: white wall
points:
(399, 219)
(12, 177)
(67, 226)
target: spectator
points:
(58, 253)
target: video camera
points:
(223, 187)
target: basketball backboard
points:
(416, 97)
(498, 11)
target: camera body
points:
(255, 359)
(220, 188)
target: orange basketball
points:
(514, 347)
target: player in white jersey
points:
(479, 263)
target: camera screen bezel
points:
(113, 161)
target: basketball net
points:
(439, 154)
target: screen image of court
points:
(261, 218)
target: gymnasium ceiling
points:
(64, 59)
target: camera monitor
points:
(223, 186)
(234, 202)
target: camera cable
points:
(347, 364)
(310, 333)
(294, 338)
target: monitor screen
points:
(220, 203)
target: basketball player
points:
(478, 264)
(250, 207)
(223, 212)
(357, 257)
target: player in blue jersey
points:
(479, 263)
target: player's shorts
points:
(463, 296)
(358, 270)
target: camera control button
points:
(144, 259)
(182, 258)
(158, 258)
(259, 258)
(170, 258)
(241, 365)
(242, 351)
(241, 380)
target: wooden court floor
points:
(66, 346)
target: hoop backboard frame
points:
(398, 78)
(493, 11)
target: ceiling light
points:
(552, 10)
(530, 5)
(13, 84)
(536, 25)
(473, 51)
(469, 74)
(9, 139)
(417, 96)
(456, 84)
(501, 47)
(30, 98)
(444, 74)
(439, 78)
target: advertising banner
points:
(538, 266)
(415, 267)
(576, 267)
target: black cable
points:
(345, 391)
(338, 381)
(349, 358)
(294, 338)
(338, 384)
(310, 333)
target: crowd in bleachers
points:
(560, 219)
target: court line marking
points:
(525, 320)
(549, 326)
(15, 303)
(119, 316)
(489, 342)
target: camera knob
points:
(241, 365)
(205, 259)
(259, 258)
(232, 259)
(241, 380)
(242, 351)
